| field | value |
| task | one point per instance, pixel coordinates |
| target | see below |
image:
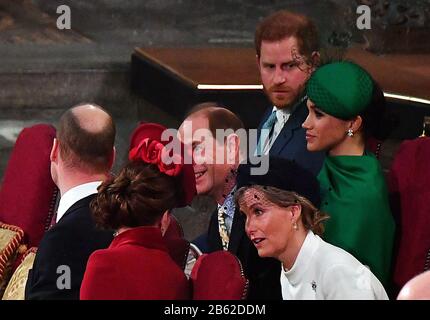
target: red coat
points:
(410, 190)
(136, 265)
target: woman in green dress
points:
(342, 116)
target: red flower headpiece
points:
(145, 145)
(153, 151)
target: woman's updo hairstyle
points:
(138, 196)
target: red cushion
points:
(218, 276)
(174, 230)
(410, 191)
(178, 250)
(27, 193)
(176, 244)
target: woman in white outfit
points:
(283, 222)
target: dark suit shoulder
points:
(213, 238)
(69, 243)
(79, 217)
(265, 116)
(79, 213)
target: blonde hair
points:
(312, 218)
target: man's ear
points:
(233, 148)
(315, 60)
(112, 157)
(54, 151)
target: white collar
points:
(282, 115)
(300, 266)
(74, 195)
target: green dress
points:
(355, 196)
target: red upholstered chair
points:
(410, 193)
(177, 245)
(174, 230)
(178, 249)
(218, 276)
(28, 194)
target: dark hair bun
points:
(137, 197)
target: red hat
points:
(146, 145)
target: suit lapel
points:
(266, 115)
(294, 122)
(237, 232)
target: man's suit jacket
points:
(263, 273)
(291, 141)
(68, 243)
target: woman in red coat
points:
(137, 264)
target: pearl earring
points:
(295, 226)
(350, 133)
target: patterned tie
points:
(266, 133)
(223, 228)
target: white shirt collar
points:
(309, 247)
(282, 115)
(74, 195)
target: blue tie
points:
(266, 133)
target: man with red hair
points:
(286, 47)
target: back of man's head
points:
(86, 135)
(418, 288)
(284, 24)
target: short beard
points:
(292, 103)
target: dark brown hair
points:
(376, 119)
(283, 24)
(312, 218)
(137, 197)
(219, 117)
(81, 148)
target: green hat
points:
(341, 89)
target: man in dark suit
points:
(81, 157)
(287, 53)
(215, 162)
